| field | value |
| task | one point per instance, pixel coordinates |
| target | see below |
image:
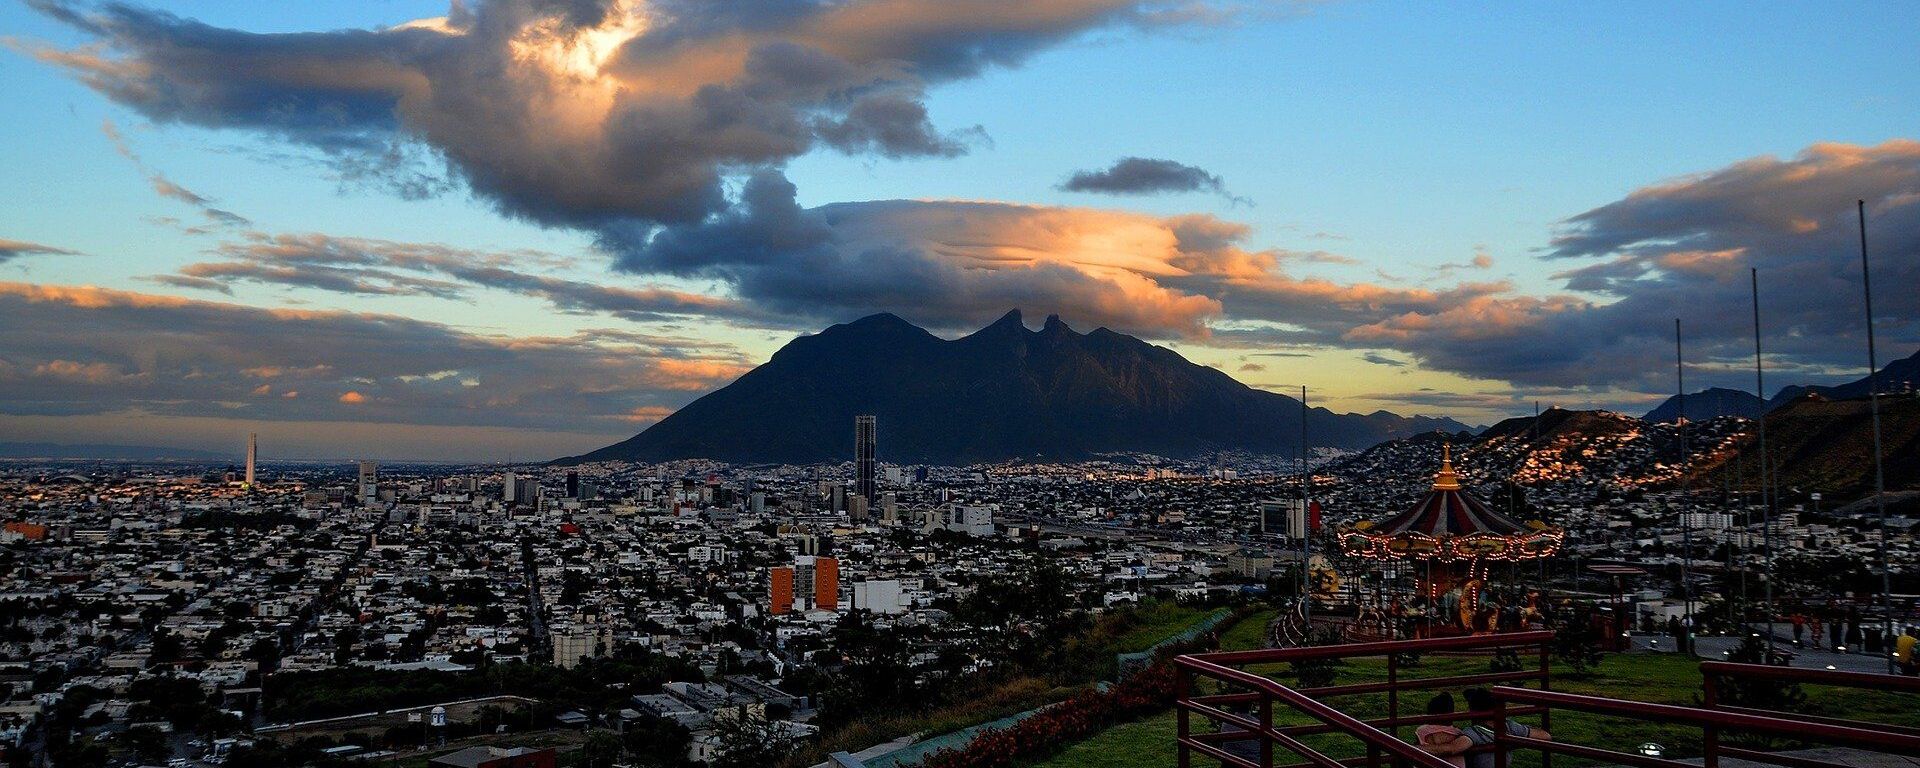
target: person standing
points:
(1903, 651)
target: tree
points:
(750, 740)
(657, 742)
(601, 750)
(149, 743)
(1577, 642)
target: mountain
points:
(114, 452)
(1003, 392)
(1901, 375)
(1711, 404)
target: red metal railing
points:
(1240, 688)
(1380, 736)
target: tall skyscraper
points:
(506, 493)
(573, 485)
(253, 453)
(369, 480)
(865, 438)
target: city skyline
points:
(258, 222)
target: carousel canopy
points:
(1450, 524)
(1448, 510)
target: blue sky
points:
(1397, 138)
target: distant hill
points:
(1711, 404)
(113, 452)
(1003, 392)
(1901, 375)
(1827, 445)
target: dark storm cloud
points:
(1380, 359)
(1145, 176)
(577, 113)
(76, 350)
(13, 249)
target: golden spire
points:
(1446, 480)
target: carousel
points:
(1450, 540)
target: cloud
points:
(1145, 176)
(383, 267)
(1682, 248)
(951, 265)
(1380, 359)
(632, 112)
(166, 187)
(75, 350)
(654, 125)
(13, 249)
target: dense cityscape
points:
(242, 614)
(959, 384)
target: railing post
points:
(1183, 689)
(1393, 692)
(1266, 730)
(1546, 684)
(1500, 736)
(1710, 733)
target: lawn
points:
(1661, 678)
(1157, 621)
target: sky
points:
(517, 229)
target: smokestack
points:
(253, 453)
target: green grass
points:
(1249, 633)
(1154, 622)
(1666, 679)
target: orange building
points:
(28, 531)
(780, 589)
(826, 584)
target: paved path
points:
(1718, 646)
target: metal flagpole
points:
(1686, 467)
(1306, 521)
(1879, 464)
(1766, 496)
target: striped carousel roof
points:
(1448, 510)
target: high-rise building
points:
(780, 590)
(865, 439)
(826, 584)
(253, 454)
(508, 485)
(857, 508)
(811, 583)
(573, 485)
(369, 480)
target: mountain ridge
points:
(1000, 393)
